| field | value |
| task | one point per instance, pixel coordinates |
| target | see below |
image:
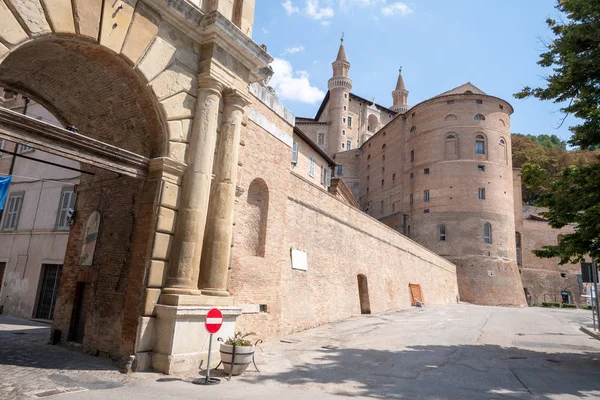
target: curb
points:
(595, 335)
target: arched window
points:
(450, 117)
(451, 146)
(383, 147)
(442, 233)
(518, 243)
(468, 92)
(373, 123)
(479, 117)
(503, 151)
(487, 233)
(414, 128)
(479, 144)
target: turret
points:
(339, 93)
(400, 95)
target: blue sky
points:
(441, 44)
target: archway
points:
(373, 125)
(87, 86)
(363, 294)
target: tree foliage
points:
(573, 194)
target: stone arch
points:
(373, 123)
(450, 117)
(109, 72)
(503, 150)
(451, 146)
(256, 217)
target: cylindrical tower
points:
(339, 98)
(400, 95)
(458, 191)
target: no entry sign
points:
(214, 321)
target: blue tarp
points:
(4, 185)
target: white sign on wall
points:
(299, 260)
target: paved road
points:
(452, 352)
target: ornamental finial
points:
(342, 38)
(400, 70)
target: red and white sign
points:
(214, 320)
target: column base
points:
(174, 290)
(181, 340)
(169, 299)
(215, 292)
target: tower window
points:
(345, 95)
(481, 168)
(349, 122)
(344, 120)
(449, 101)
(479, 144)
(481, 193)
(426, 211)
(343, 146)
(412, 175)
(393, 177)
(412, 156)
(479, 117)
(343, 132)
(426, 171)
(487, 233)
(345, 108)
(442, 233)
(479, 101)
(426, 195)
(414, 128)
(501, 106)
(411, 200)
(382, 182)
(382, 170)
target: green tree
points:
(572, 196)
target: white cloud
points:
(293, 86)
(289, 7)
(325, 23)
(265, 30)
(317, 13)
(295, 49)
(397, 8)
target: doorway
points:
(363, 294)
(48, 291)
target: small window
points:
(412, 175)
(383, 157)
(412, 156)
(368, 177)
(481, 168)
(295, 153)
(345, 108)
(481, 193)
(563, 274)
(426, 211)
(449, 101)
(393, 177)
(321, 139)
(349, 122)
(502, 142)
(65, 209)
(339, 170)
(382, 182)
(343, 132)
(344, 120)
(426, 195)
(479, 117)
(349, 145)
(367, 190)
(479, 101)
(368, 167)
(442, 233)
(382, 170)
(343, 145)
(501, 106)
(413, 115)
(411, 200)
(451, 137)
(13, 211)
(414, 128)
(426, 171)
(311, 170)
(345, 95)
(369, 157)
(25, 149)
(487, 233)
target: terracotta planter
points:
(243, 358)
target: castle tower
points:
(339, 94)
(400, 95)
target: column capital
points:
(211, 84)
(164, 168)
(235, 98)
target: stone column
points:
(184, 263)
(219, 228)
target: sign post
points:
(214, 321)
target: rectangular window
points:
(450, 102)
(327, 177)
(65, 208)
(412, 156)
(343, 146)
(481, 193)
(345, 95)
(339, 170)
(343, 132)
(487, 233)
(393, 177)
(13, 210)
(426, 171)
(344, 120)
(25, 149)
(349, 145)
(321, 139)
(426, 195)
(345, 108)
(311, 170)
(426, 211)
(382, 182)
(411, 200)
(349, 122)
(479, 147)
(322, 175)
(295, 153)
(481, 168)
(479, 101)
(382, 170)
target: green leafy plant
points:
(239, 339)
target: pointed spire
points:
(400, 83)
(341, 56)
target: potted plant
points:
(244, 352)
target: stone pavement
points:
(450, 352)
